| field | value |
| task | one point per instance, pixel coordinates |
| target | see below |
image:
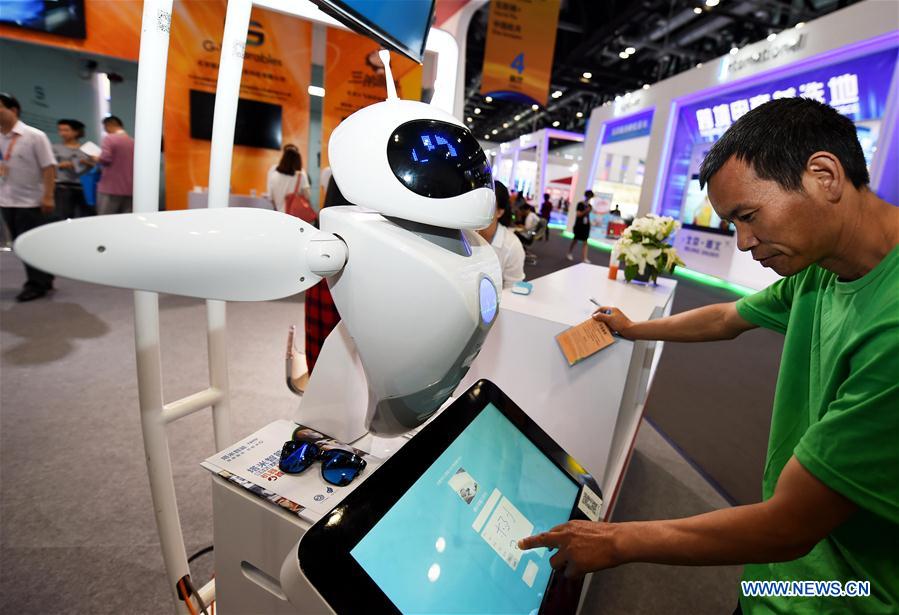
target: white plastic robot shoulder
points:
(409, 160)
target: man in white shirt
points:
(531, 220)
(507, 246)
(27, 179)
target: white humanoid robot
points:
(415, 286)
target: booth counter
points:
(593, 408)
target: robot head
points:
(409, 160)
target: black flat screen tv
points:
(60, 17)
(258, 123)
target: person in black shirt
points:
(582, 225)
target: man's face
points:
(7, 115)
(65, 132)
(786, 231)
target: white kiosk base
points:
(592, 410)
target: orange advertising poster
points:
(518, 56)
(354, 78)
(113, 29)
(276, 71)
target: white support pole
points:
(224, 118)
(154, 49)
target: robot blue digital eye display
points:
(453, 160)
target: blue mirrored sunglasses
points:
(339, 467)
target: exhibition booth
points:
(446, 419)
(643, 150)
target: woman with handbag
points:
(288, 184)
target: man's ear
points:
(824, 174)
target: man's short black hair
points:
(9, 101)
(776, 139)
(588, 194)
(113, 119)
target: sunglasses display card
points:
(252, 463)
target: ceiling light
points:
(630, 50)
(771, 37)
(315, 90)
(494, 131)
(588, 75)
(469, 119)
(505, 124)
(645, 86)
(535, 107)
(711, 3)
(734, 51)
(699, 65)
(580, 114)
(697, 10)
(477, 110)
(488, 99)
(801, 24)
(623, 55)
(557, 93)
(555, 124)
(487, 137)
(517, 117)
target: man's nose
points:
(746, 240)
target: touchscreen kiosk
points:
(435, 529)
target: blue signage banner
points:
(630, 127)
(856, 87)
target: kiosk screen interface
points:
(449, 543)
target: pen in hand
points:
(596, 303)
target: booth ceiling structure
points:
(668, 36)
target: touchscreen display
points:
(449, 544)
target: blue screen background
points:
(404, 20)
(400, 552)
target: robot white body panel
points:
(359, 150)
(418, 302)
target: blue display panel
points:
(856, 85)
(449, 544)
(405, 21)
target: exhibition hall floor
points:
(77, 531)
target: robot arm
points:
(233, 254)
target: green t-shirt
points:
(837, 409)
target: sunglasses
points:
(339, 466)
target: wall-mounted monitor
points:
(60, 17)
(401, 25)
(258, 123)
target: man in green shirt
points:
(791, 176)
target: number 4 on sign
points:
(518, 63)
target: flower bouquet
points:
(644, 250)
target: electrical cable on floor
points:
(200, 553)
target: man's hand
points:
(802, 512)
(49, 181)
(583, 546)
(48, 203)
(615, 319)
(66, 164)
